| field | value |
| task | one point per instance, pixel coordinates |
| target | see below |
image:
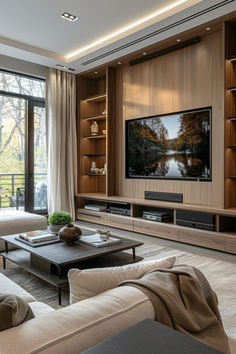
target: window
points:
(23, 165)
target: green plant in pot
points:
(58, 220)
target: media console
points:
(203, 226)
(117, 94)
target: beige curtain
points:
(62, 145)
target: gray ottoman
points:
(15, 221)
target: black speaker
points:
(195, 219)
(195, 216)
(165, 197)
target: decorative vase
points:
(69, 234)
(56, 228)
(93, 167)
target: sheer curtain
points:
(61, 140)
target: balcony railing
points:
(12, 183)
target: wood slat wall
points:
(189, 78)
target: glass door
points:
(23, 171)
(13, 113)
(36, 182)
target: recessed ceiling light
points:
(178, 40)
(69, 17)
(208, 28)
(144, 53)
(127, 28)
(95, 72)
(119, 63)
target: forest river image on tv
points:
(174, 146)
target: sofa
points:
(76, 327)
(15, 221)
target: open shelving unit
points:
(230, 116)
(95, 104)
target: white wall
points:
(22, 66)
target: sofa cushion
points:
(90, 282)
(7, 286)
(13, 311)
(77, 327)
(39, 308)
(16, 221)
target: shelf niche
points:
(96, 102)
(230, 115)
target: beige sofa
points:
(15, 221)
(76, 327)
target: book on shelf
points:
(37, 236)
(96, 241)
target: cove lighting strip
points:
(126, 28)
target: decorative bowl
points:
(69, 234)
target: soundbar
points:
(165, 197)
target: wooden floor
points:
(201, 251)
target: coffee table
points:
(150, 336)
(52, 262)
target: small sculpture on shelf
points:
(93, 167)
(94, 128)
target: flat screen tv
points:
(173, 146)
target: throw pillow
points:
(90, 282)
(13, 311)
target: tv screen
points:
(176, 146)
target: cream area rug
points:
(220, 273)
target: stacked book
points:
(96, 241)
(37, 236)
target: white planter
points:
(56, 228)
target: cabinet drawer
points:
(121, 222)
(202, 238)
(156, 229)
(90, 216)
(230, 244)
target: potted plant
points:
(58, 220)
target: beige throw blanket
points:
(183, 299)
(13, 311)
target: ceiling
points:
(34, 31)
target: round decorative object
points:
(56, 228)
(104, 234)
(69, 234)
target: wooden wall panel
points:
(189, 78)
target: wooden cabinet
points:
(156, 229)
(121, 222)
(90, 216)
(230, 244)
(202, 238)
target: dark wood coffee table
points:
(149, 337)
(52, 262)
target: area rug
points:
(221, 275)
